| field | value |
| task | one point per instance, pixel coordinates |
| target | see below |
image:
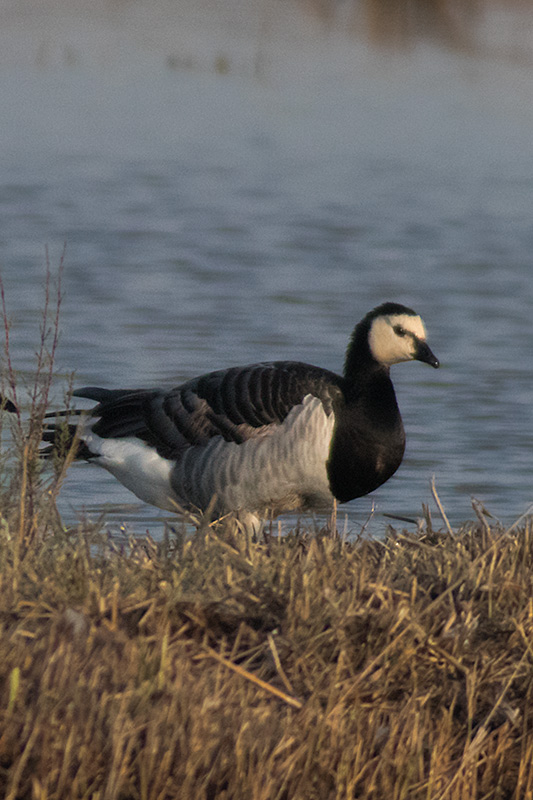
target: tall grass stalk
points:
(25, 516)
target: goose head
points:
(398, 334)
(390, 334)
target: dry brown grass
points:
(302, 667)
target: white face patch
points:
(394, 338)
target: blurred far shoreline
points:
(263, 39)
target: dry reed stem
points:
(291, 701)
(25, 468)
(440, 506)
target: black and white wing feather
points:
(236, 404)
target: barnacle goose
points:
(263, 439)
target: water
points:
(213, 220)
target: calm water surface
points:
(212, 221)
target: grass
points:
(298, 667)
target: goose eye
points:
(399, 331)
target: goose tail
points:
(61, 437)
(7, 405)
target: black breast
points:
(368, 441)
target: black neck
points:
(360, 367)
(368, 442)
(367, 384)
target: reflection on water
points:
(211, 221)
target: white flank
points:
(137, 466)
(284, 469)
